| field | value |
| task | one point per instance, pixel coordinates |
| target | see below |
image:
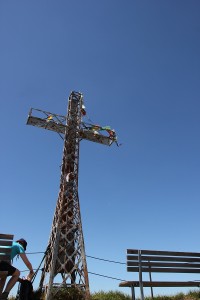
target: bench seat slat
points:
(160, 283)
(164, 264)
(164, 253)
(5, 243)
(163, 270)
(159, 258)
(6, 236)
(5, 250)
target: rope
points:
(97, 258)
(45, 253)
(111, 261)
(107, 276)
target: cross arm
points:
(54, 122)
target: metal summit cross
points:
(65, 259)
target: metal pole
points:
(140, 275)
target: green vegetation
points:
(192, 295)
(109, 296)
(73, 294)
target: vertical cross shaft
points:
(66, 259)
(67, 252)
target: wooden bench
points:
(5, 251)
(153, 261)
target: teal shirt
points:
(16, 249)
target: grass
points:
(109, 296)
(73, 294)
(192, 295)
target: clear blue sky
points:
(137, 64)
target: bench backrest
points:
(5, 251)
(162, 261)
(5, 241)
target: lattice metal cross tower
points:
(66, 259)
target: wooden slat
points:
(163, 265)
(6, 236)
(170, 253)
(5, 250)
(164, 270)
(160, 283)
(167, 258)
(132, 257)
(132, 251)
(165, 253)
(5, 243)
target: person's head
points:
(23, 243)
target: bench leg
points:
(141, 292)
(150, 278)
(133, 292)
(152, 293)
(140, 276)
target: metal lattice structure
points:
(66, 258)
